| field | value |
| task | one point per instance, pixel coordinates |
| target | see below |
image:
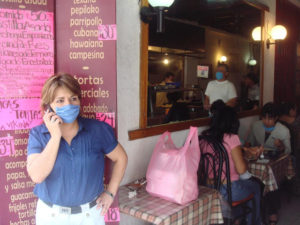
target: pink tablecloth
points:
(205, 210)
(273, 172)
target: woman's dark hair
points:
(286, 107)
(223, 121)
(270, 109)
(217, 105)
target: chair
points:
(216, 162)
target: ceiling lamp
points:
(256, 34)
(160, 3)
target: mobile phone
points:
(48, 108)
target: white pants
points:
(46, 215)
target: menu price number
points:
(108, 118)
(39, 16)
(112, 215)
(7, 146)
(107, 32)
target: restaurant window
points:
(197, 36)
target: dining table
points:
(272, 171)
(205, 210)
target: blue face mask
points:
(219, 75)
(269, 129)
(68, 113)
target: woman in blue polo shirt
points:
(66, 159)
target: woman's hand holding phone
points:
(52, 122)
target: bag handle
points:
(162, 140)
(192, 133)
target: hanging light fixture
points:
(160, 3)
(166, 61)
(223, 59)
(252, 62)
(159, 9)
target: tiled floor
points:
(289, 213)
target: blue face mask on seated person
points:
(269, 129)
(219, 75)
(68, 113)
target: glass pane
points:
(185, 58)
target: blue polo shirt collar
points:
(45, 130)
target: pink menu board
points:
(26, 51)
(86, 48)
(26, 61)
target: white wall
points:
(128, 72)
(269, 54)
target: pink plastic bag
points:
(172, 172)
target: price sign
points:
(7, 146)
(112, 215)
(108, 118)
(107, 32)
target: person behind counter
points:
(253, 92)
(161, 97)
(66, 159)
(221, 88)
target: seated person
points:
(179, 110)
(268, 132)
(224, 128)
(221, 88)
(288, 117)
(161, 97)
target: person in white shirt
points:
(220, 88)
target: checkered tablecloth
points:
(203, 211)
(273, 172)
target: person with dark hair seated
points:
(224, 128)
(179, 110)
(216, 106)
(271, 134)
(289, 118)
(268, 132)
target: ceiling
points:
(295, 2)
(234, 16)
